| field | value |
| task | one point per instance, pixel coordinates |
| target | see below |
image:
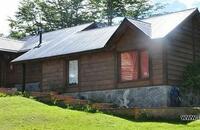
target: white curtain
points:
(73, 72)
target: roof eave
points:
(196, 11)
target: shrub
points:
(191, 75)
(86, 108)
(3, 95)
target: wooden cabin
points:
(8, 51)
(134, 64)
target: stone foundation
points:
(153, 96)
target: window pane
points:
(73, 72)
(129, 66)
(144, 64)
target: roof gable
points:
(143, 26)
(164, 24)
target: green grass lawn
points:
(18, 113)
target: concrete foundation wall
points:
(154, 96)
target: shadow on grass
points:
(177, 121)
(129, 118)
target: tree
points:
(129, 8)
(50, 14)
(26, 20)
(56, 14)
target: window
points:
(134, 65)
(129, 66)
(73, 72)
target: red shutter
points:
(129, 66)
(144, 62)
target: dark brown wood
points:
(183, 50)
(193, 39)
(165, 62)
(24, 77)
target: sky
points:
(9, 7)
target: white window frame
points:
(73, 72)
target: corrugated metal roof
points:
(77, 42)
(54, 36)
(10, 45)
(143, 26)
(71, 40)
(164, 24)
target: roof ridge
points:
(99, 28)
(139, 21)
(171, 13)
(64, 28)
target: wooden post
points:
(23, 77)
(193, 40)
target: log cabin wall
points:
(2, 70)
(97, 71)
(53, 74)
(17, 74)
(196, 35)
(136, 40)
(100, 71)
(33, 74)
(7, 72)
(183, 48)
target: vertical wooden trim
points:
(139, 64)
(165, 48)
(67, 73)
(41, 78)
(193, 40)
(116, 66)
(64, 75)
(24, 77)
(150, 67)
(1, 73)
(166, 63)
(79, 76)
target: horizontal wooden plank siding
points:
(53, 74)
(33, 72)
(17, 74)
(97, 71)
(197, 38)
(183, 48)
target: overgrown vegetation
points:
(191, 76)
(3, 95)
(78, 107)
